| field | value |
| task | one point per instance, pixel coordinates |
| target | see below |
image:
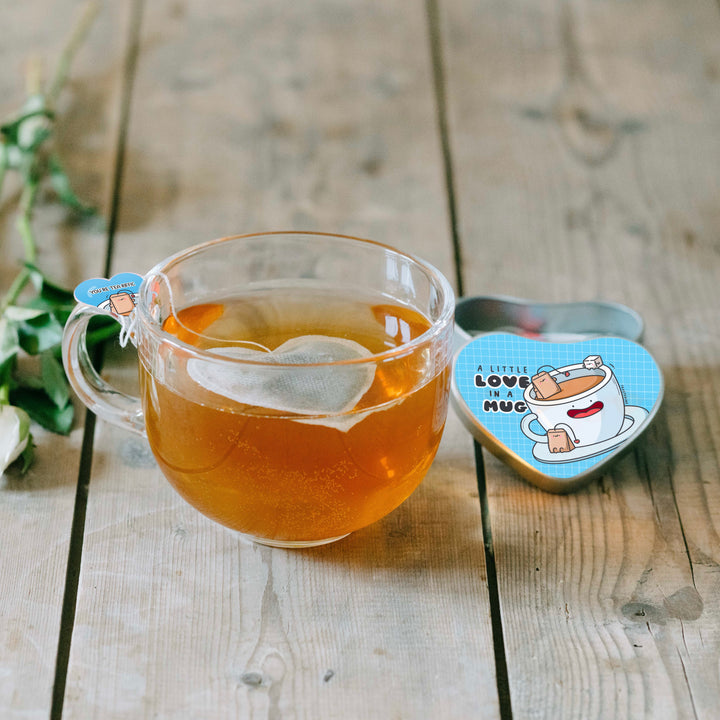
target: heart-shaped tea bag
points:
(556, 412)
(296, 377)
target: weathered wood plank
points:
(585, 139)
(36, 510)
(316, 115)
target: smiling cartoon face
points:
(589, 404)
(580, 413)
(591, 420)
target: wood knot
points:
(252, 679)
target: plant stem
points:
(20, 281)
(33, 76)
(27, 204)
(3, 167)
(73, 45)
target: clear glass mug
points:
(294, 386)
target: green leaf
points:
(13, 156)
(18, 314)
(9, 348)
(50, 295)
(48, 305)
(9, 341)
(60, 312)
(31, 168)
(51, 292)
(11, 128)
(27, 456)
(43, 410)
(31, 138)
(40, 333)
(61, 184)
(29, 381)
(101, 328)
(54, 382)
(4, 160)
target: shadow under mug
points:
(314, 473)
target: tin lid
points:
(555, 393)
(559, 322)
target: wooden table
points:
(565, 150)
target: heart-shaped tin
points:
(557, 412)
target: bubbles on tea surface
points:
(287, 381)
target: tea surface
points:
(576, 386)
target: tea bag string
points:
(568, 430)
(127, 329)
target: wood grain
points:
(585, 138)
(36, 510)
(317, 115)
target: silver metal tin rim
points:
(502, 313)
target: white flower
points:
(14, 434)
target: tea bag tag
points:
(117, 297)
(593, 399)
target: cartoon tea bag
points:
(545, 385)
(559, 440)
(122, 303)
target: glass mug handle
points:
(101, 398)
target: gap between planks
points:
(438, 72)
(501, 671)
(77, 533)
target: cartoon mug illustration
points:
(581, 409)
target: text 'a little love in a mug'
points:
(501, 382)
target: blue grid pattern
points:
(505, 354)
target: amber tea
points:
(576, 386)
(306, 437)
